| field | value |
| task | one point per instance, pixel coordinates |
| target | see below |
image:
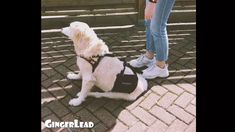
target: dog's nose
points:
(61, 30)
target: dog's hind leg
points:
(113, 95)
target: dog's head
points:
(76, 30)
(80, 33)
(85, 40)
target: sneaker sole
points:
(153, 77)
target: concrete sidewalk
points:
(169, 105)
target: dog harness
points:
(123, 83)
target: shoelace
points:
(150, 68)
(140, 58)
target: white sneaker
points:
(155, 71)
(142, 61)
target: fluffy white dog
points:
(99, 68)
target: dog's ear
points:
(77, 34)
(86, 34)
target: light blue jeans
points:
(156, 33)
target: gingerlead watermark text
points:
(68, 124)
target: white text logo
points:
(74, 124)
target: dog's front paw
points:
(75, 102)
(73, 76)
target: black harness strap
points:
(94, 63)
(134, 69)
(99, 59)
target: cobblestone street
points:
(169, 104)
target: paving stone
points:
(173, 88)
(119, 127)
(100, 127)
(143, 115)
(96, 104)
(191, 127)
(111, 105)
(177, 126)
(188, 87)
(149, 101)
(85, 115)
(138, 127)
(107, 118)
(191, 109)
(162, 114)
(167, 100)
(194, 101)
(159, 90)
(184, 99)
(45, 111)
(136, 103)
(158, 126)
(181, 113)
(126, 117)
(58, 108)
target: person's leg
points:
(149, 41)
(147, 58)
(160, 39)
(158, 29)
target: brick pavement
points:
(169, 105)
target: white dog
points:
(99, 68)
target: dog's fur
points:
(87, 44)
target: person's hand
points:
(149, 10)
